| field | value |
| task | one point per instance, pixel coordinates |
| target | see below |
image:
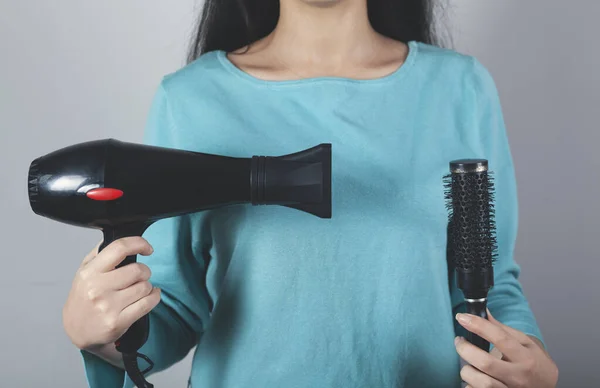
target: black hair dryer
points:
(122, 188)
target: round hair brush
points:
(471, 244)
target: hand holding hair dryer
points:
(122, 188)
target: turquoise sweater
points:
(277, 298)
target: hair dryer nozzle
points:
(301, 180)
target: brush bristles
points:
(472, 243)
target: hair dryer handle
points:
(137, 334)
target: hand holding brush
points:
(520, 360)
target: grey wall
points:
(73, 71)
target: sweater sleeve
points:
(178, 269)
(506, 299)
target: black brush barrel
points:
(471, 234)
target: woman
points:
(274, 297)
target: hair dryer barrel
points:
(106, 183)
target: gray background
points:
(74, 71)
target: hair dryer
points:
(122, 188)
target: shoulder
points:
(202, 74)
(451, 68)
(192, 104)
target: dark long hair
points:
(231, 24)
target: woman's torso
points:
(358, 300)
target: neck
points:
(324, 33)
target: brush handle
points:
(477, 307)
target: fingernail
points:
(457, 340)
(463, 318)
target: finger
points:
(537, 344)
(482, 360)
(507, 344)
(518, 335)
(132, 294)
(127, 276)
(91, 255)
(477, 379)
(496, 353)
(117, 251)
(136, 310)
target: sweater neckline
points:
(397, 74)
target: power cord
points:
(133, 370)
